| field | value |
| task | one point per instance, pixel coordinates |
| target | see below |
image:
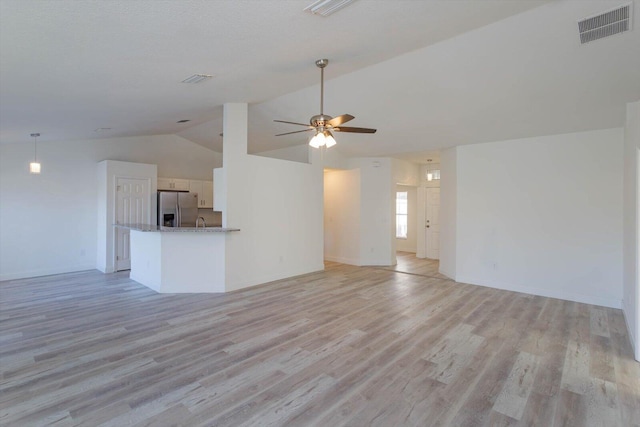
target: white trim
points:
(342, 260)
(229, 287)
(446, 273)
(47, 272)
(568, 296)
(628, 325)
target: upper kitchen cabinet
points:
(205, 193)
(173, 184)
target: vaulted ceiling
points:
(427, 74)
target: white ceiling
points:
(428, 74)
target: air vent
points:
(327, 7)
(605, 24)
(197, 78)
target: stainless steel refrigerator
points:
(177, 209)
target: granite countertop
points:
(157, 228)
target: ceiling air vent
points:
(327, 7)
(197, 78)
(605, 24)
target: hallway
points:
(408, 263)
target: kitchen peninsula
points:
(178, 259)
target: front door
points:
(132, 207)
(432, 223)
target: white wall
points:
(276, 204)
(48, 221)
(449, 212)
(332, 158)
(405, 173)
(631, 270)
(543, 216)
(297, 153)
(410, 243)
(377, 207)
(342, 216)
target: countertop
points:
(157, 228)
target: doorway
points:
(637, 278)
(432, 223)
(131, 207)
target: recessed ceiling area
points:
(427, 74)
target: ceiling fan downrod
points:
(321, 63)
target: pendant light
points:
(34, 167)
(429, 173)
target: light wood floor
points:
(348, 346)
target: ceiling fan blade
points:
(295, 131)
(337, 121)
(291, 123)
(354, 130)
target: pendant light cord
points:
(35, 136)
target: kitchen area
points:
(272, 217)
(183, 201)
(182, 252)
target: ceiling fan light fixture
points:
(322, 139)
(318, 140)
(329, 140)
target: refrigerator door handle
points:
(179, 216)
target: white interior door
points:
(432, 223)
(132, 207)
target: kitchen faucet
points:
(204, 224)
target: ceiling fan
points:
(323, 124)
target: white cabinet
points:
(207, 194)
(173, 184)
(204, 189)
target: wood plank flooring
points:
(356, 346)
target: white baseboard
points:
(634, 344)
(136, 278)
(46, 272)
(106, 269)
(569, 296)
(342, 260)
(272, 278)
(446, 273)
